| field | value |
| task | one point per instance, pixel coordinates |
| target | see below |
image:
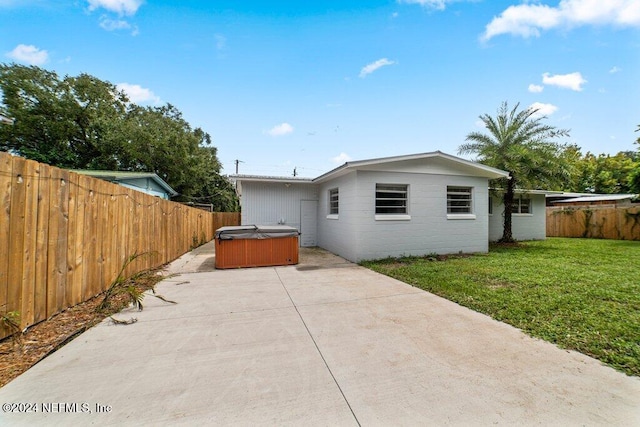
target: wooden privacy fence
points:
(620, 223)
(64, 236)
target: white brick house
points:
(404, 205)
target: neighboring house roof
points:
(411, 160)
(523, 191)
(598, 198)
(567, 194)
(124, 176)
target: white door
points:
(308, 223)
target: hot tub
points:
(256, 246)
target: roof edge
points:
(438, 153)
(114, 174)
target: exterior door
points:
(308, 223)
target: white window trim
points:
(392, 217)
(332, 216)
(461, 216)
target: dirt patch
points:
(506, 244)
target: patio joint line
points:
(318, 349)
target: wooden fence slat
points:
(75, 240)
(28, 288)
(42, 239)
(6, 171)
(103, 230)
(16, 237)
(58, 232)
(72, 231)
(89, 248)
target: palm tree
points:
(519, 143)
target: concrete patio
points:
(325, 342)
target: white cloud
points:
(528, 20)
(543, 109)
(280, 130)
(370, 68)
(573, 81)
(435, 4)
(341, 158)
(535, 88)
(137, 94)
(113, 24)
(615, 70)
(121, 7)
(29, 54)
(395, 15)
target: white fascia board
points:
(282, 179)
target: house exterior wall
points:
(338, 234)
(357, 235)
(531, 226)
(273, 203)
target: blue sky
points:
(309, 85)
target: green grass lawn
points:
(581, 294)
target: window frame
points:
(516, 207)
(334, 211)
(401, 210)
(469, 212)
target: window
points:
(490, 205)
(521, 206)
(333, 201)
(391, 199)
(459, 200)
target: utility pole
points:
(237, 163)
(295, 171)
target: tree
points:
(85, 123)
(604, 173)
(62, 122)
(521, 144)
